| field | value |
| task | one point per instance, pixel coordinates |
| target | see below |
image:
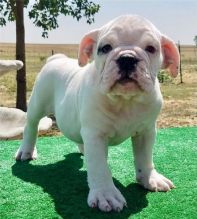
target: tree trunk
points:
(20, 55)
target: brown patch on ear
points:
(86, 47)
(171, 57)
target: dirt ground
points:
(180, 105)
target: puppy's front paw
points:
(107, 199)
(155, 182)
(23, 154)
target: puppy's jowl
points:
(103, 102)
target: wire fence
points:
(36, 54)
(188, 54)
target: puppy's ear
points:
(86, 47)
(171, 57)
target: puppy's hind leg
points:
(27, 150)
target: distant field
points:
(189, 53)
(7, 50)
(36, 55)
(180, 100)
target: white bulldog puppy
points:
(114, 97)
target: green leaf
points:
(44, 13)
(5, 13)
(2, 21)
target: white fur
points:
(8, 65)
(93, 110)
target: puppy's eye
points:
(105, 49)
(150, 49)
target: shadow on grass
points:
(67, 185)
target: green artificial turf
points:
(55, 185)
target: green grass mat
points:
(55, 185)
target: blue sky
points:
(175, 18)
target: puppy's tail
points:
(56, 56)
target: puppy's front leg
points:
(146, 174)
(103, 193)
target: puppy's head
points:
(128, 53)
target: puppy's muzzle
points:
(127, 64)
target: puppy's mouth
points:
(126, 85)
(126, 80)
(126, 88)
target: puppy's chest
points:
(129, 122)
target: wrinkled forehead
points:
(129, 30)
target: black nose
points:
(127, 63)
